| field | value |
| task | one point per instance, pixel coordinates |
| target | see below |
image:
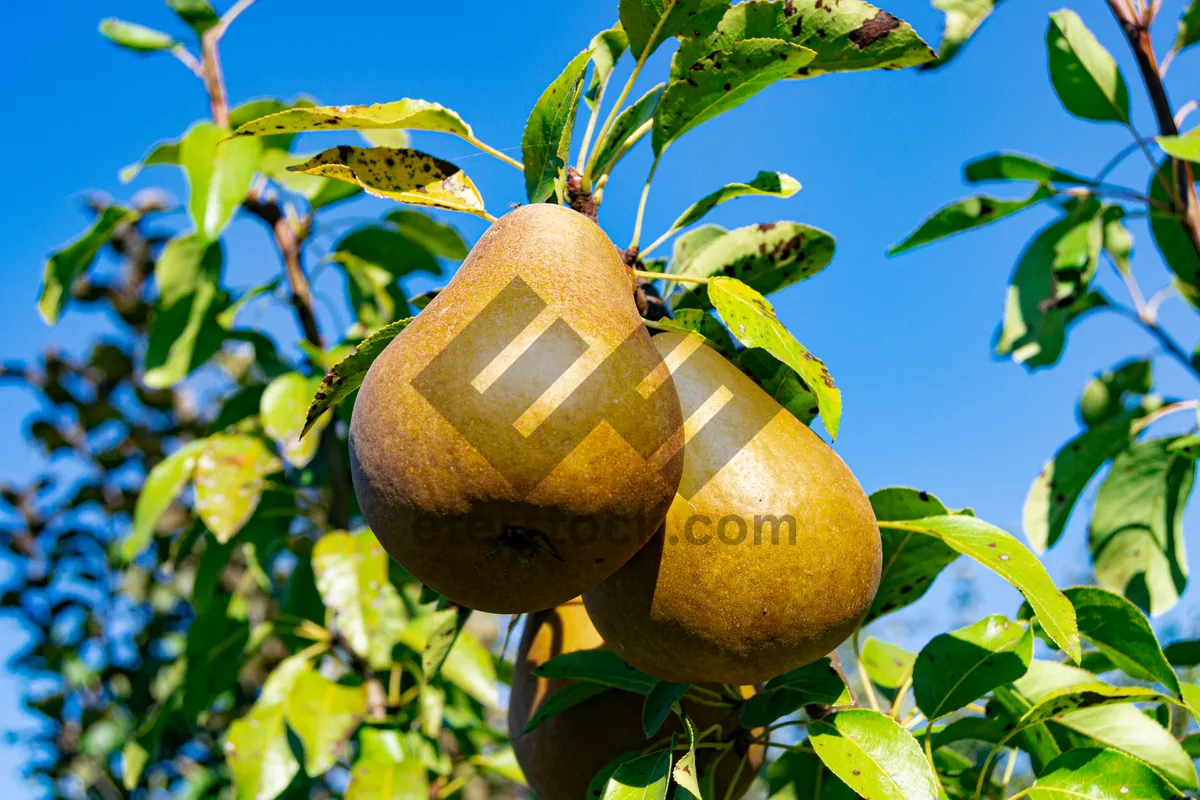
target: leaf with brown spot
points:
(546, 140)
(400, 174)
(406, 114)
(348, 374)
(683, 18)
(966, 214)
(770, 184)
(752, 321)
(1090, 695)
(844, 35)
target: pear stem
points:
(494, 152)
(666, 276)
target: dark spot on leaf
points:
(924, 496)
(728, 86)
(874, 29)
(765, 226)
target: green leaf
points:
(567, 697)
(751, 319)
(1004, 555)
(215, 651)
(1104, 396)
(163, 484)
(259, 757)
(847, 35)
(773, 377)
(770, 184)
(383, 771)
(282, 408)
(683, 18)
(963, 18)
(1016, 167)
(659, 702)
(348, 374)
(911, 561)
(1087, 80)
(184, 330)
(1185, 148)
(436, 237)
(446, 625)
(597, 666)
(352, 577)
(958, 667)
(136, 37)
(873, 755)
(198, 14)
(888, 665)
(1189, 26)
(320, 192)
(695, 321)
(1183, 654)
(502, 762)
(546, 140)
(161, 153)
(817, 682)
(643, 778)
(800, 775)
(400, 174)
(1087, 695)
(1136, 536)
(1169, 233)
(406, 114)
(1119, 630)
(1062, 480)
(470, 667)
(219, 174)
(627, 123)
(69, 262)
(229, 478)
(964, 215)
(324, 715)
(767, 257)
(134, 759)
(690, 244)
(606, 48)
(1099, 775)
(721, 81)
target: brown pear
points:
(562, 755)
(769, 558)
(500, 446)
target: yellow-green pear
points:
(503, 446)
(769, 558)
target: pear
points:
(503, 445)
(770, 563)
(562, 755)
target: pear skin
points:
(503, 445)
(771, 563)
(562, 755)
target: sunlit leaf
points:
(1017, 167)
(382, 772)
(639, 18)
(348, 374)
(873, 755)
(351, 571)
(406, 114)
(136, 37)
(546, 140)
(1087, 80)
(643, 778)
(260, 759)
(963, 18)
(911, 561)
(68, 263)
(770, 184)
(1098, 775)
(1119, 630)
(219, 173)
(323, 714)
(163, 484)
(958, 667)
(629, 121)
(965, 215)
(229, 478)
(817, 682)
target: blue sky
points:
(908, 339)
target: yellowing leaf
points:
(282, 410)
(400, 174)
(324, 715)
(229, 482)
(406, 114)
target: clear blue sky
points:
(907, 339)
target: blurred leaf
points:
(1119, 630)
(135, 37)
(963, 18)
(1004, 555)
(872, 755)
(68, 263)
(957, 668)
(609, 151)
(911, 561)
(1185, 148)
(888, 665)
(546, 140)
(567, 697)
(767, 257)
(437, 237)
(639, 18)
(162, 485)
(800, 775)
(184, 330)
(964, 215)
(1169, 233)
(848, 35)
(348, 375)
(720, 81)
(1033, 330)
(229, 480)
(162, 153)
(752, 321)
(470, 667)
(1136, 536)
(1183, 654)
(219, 173)
(260, 759)
(215, 652)
(352, 576)
(770, 184)
(391, 250)
(1189, 26)
(502, 762)
(1087, 80)
(1104, 396)
(686, 773)
(324, 715)
(642, 778)
(597, 666)
(1098, 774)
(1118, 241)
(282, 409)
(659, 702)
(817, 682)
(1054, 492)
(447, 625)
(198, 14)
(403, 175)
(384, 772)
(1017, 167)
